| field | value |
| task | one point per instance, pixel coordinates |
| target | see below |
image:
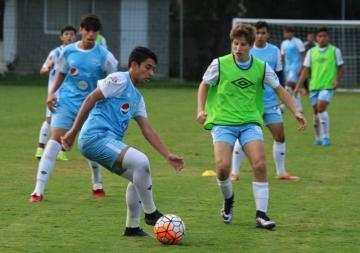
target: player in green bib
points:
(231, 105)
(327, 67)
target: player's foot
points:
(39, 153)
(318, 142)
(226, 211)
(262, 221)
(325, 142)
(234, 176)
(35, 198)
(135, 232)
(151, 218)
(288, 177)
(98, 190)
(62, 156)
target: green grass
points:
(320, 213)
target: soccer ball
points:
(169, 229)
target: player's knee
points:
(222, 165)
(140, 162)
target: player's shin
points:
(279, 149)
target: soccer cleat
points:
(62, 156)
(288, 177)
(151, 218)
(318, 142)
(234, 176)
(135, 232)
(39, 153)
(35, 198)
(226, 211)
(262, 221)
(325, 142)
(98, 191)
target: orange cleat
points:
(35, 198)
(288, 177)
(234, 176)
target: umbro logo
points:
(243, 83)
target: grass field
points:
(320, 213)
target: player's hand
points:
(177, 162)
(50, 65)
(201, 117)
(68, 140)
(335, 84)
(51, 102)
(300, 117)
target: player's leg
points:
(251, 139)
(96, 179)
(47, 163)
(237, 158)
(296, 98)
(324, 99)
(316, 119)
(44, 134)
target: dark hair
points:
(243, 30)
(289, 29)
(68, 28)
(90, 22)
(261, 24)
(323, 29)
(141, 54)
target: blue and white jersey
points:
(111, 115)
(271, 55)
(292, 50)
(83, 68)
(53, 57)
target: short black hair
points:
(68, 28)
(141, 54)
(90, 22)
(261, 24)
(322, 29)
(289, 29)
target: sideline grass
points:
(320, 213)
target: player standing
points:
(327, 67)
(111, 106)
(232, 89)
(292, 49)
(67, 36)
(272, 115)
(80, 65)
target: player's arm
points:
(272, 80)
(304, 74)
(52, 98)
(48, 64)
(153, 138)
(341, 68)
(202, 95)
(68, 139)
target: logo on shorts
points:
(243, 83)
(125, 108)
(82, 85)
(73, 71)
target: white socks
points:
(46, 165)
(317, 126)
(133, 207)
(226, 187)
(279, 157)
(95, 173)
(324, 124)
(138, 171)
(237, 157)
(44, 132)
(261, 195)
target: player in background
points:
(326, 65)
(292, 50)
(100, 39)
(67, 36)
(308, 44)
(272, 117)
(231, 105)
(107, 111)
(79, 67)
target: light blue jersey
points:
(112, 115)
(292, 50)
(271, 55)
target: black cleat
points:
(226, 211)
(135, 232)
(262, 221)
(151, 218)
